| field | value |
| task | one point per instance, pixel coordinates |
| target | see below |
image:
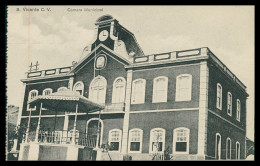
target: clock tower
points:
(114, 36)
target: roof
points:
(66, 100)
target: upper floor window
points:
(237, 150)
(181, 139)
(115, 139)
(47, 91)
(218, 147)
(32, 94)
(79, 87)
(229, 104)
(62, 89)
(97, 91)
(118, 90)
(135, 140)
(160, 86)
(183, 87)
(219, 96)
(157, 140)
(138, 91)
(238, 110)
(228, 148)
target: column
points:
(38, 126)
(70, 84)
(203, 109)
(75, 125)
(28, 127)
(127, 110)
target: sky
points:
(56, 36)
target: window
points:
(138, 91)
(219, 96)
(181, 139)
(97, 92)
(47, 91)
(118, 90)
(79, 87)
(229, 104)
(228, 148)
(135, 140)
(238, 110)
(115, 139)
(62, 89)
(157, 140)
(183, 87)
(237, 150)
(218, 147)
(160, 86)
(32, 94)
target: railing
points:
(49, 72)
(62, 137)
(115, 107)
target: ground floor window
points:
(115, 139)
(237, 150)
(157, 140)
(218, 147)
(135, 140)
(181, 138)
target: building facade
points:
(187, 103)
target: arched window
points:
(62, 89)
(115, 136)
(181, 140)
(237, 150)
(218, 147)
(160, 86)
(183, 87)
(46, 91)
(135, 140)
(32, 94)
(118, 90)
(157, 140)
(228, 148)
(138, 91)
(79, 87)
(97, 91)
(219, 96)
(238, 110)
(229, 104)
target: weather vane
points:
(34, 67)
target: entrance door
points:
(92, 133)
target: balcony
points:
(114, 107)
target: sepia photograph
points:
(130, 83)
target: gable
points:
(110, 55)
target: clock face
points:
(103, 35)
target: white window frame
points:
(175, 140)
(151, 141)
(238, 151)
(105, 88)
(217, 105)
(228, 139)
(219, 148)
(229, 94)
(29, 98)
(178, 91)
(122, 95)
(120, 139)
(82, 87)
(61, 88)
(43, 92)
(141, 140)
(159, 99)
(238, 112)
(133, 101)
